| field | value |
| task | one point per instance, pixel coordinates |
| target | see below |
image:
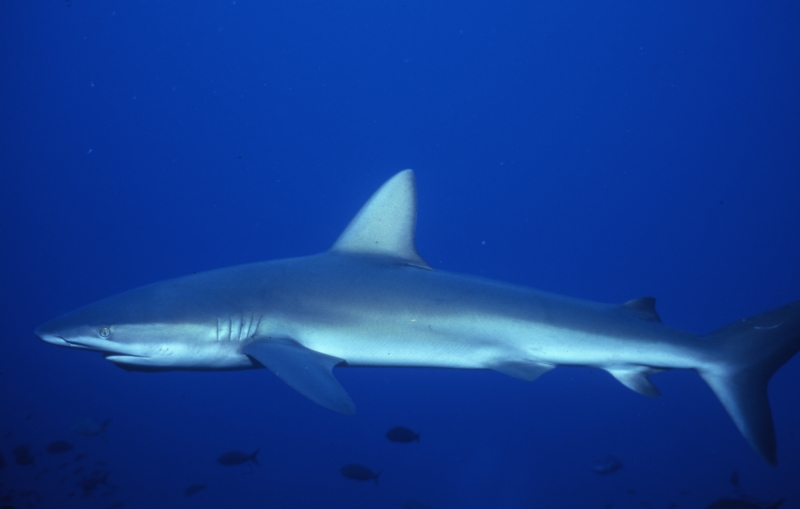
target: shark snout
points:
(49, 336)
(45, 334)
(51, 333)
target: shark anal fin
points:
(385, 224)
(306, 371)
(635, 378)
(643, 307)
(524, 370)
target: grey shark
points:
(371, 300)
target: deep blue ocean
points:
(604, 150)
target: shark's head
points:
(153, 327)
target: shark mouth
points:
(107, 348)
(55, 339)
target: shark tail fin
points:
(750, 352)
(254, 457)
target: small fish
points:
(22, 455)
(89, 427)
(735, 478)
(88, 484)
(78, 470)
(402, 435)
(59, 447)
(730, 503)
(194, 488)
(2, 462)
(607, 466)
(80, 456)
(360, 473)
(238, 457)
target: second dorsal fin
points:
(385, 224)
(643, 307)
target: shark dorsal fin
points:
(385, 224)
(644, 308)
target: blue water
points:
(601, 149)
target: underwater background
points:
(600, 149)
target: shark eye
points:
(105, 332)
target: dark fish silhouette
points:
(80, 456)
(735, 478)
(2, 462)
(607, 466)
(89, 427)
(402, 435)
(89, 484)
(22, 455)
(194, 488)
(730, 503)
(238, 457)
(59, 447)
(360, 473)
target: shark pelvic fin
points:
(636, 379)
(306, 371)
(524, 370)
(385, 224)
(643, 307)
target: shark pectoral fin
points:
(306, 371)
(524, 370)
(635, 378)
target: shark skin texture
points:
(372, 300)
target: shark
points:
(372, 300)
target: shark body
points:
(371, 300)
